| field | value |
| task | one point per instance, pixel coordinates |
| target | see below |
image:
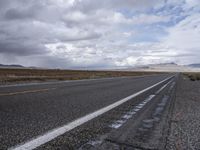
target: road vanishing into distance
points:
(86, 114)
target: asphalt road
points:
(27, 111)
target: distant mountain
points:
(166, 67)
(194, 65)
(166, 64)
(11, 66)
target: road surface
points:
(30, 113)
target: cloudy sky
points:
(99, 33)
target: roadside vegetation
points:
(31, 75)
(193, 76)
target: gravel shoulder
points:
(185, 123)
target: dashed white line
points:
(137, 108)
(42, 139)
(130, 114)
(163, 87)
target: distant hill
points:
(194, 65)
(166, 67)
(166, 64)
(11, 66)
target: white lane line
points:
(116, 125)
(137, 108)
(42, 139)
(163, 87)
(132, 112)
(129, 114)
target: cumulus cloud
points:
(184, 38)
(98, 34)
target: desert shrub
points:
(28, 75)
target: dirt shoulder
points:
(185, 123)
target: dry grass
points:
(30, 75)
(193, 76)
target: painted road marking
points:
(130, 114)
(136, 108)
(71, 81)
(42, 139)
(163, 87)
(25, 92)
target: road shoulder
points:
(185, 132)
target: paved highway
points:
(29, 111)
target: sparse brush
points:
(193, 76)
(28, 75)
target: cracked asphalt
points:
(34, 109)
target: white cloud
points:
(149, 19)
(192, 3)
(93, 33)
(185, 36)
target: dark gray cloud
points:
(27, 26)
(91, 33)
(14, 13)
(21, 49)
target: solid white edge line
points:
(42, 139)
(157, 92)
